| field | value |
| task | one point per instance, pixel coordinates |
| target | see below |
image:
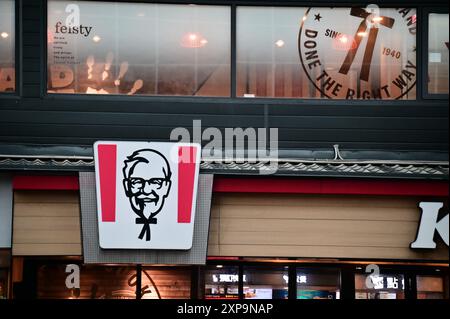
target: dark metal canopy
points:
(323, 163)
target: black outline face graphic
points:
(147, 193)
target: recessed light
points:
(343, 39)
(193, 40)
(279, 43)
(4, 35)
(96, 38)
(219, 266)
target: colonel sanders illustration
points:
(147, 184)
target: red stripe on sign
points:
(107, 155)
(186, 179)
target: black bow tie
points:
(146, 226)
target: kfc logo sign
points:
(147, 184)
(146, 194)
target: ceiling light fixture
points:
(279, 43)
(344, 42)
(193, 40)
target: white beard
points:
(149, 208)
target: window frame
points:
(347, 269)
(421, 36)
(17, 52)
(143, 96)
(339, 4)
(424, 47)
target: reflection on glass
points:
(266, 283)
(96, 282)
(391, 286)
(163, 283)
(131, 48)
(318, 283)
(114, 282)
(339, 53)
(438, 47)
(430, 287)
(7, 45)
(221, 282)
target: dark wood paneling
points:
(132, 119)
(32, 38)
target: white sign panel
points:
(146, 194)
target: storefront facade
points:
(357, 207)
(266, 243)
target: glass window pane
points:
(96, 282)
(318, 283)
(430, 287)
(7, 45)
(383, 286)
(114, 282)
(266, 282)
(438, 54)
(221, 282)
(338, 53)
(133, 48)
(164, 283)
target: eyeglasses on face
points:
(138, 182)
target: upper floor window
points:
(281, 52)
(7, 46)
(438, 47)
(338, 53)
(132, 48)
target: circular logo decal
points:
(359, 53)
